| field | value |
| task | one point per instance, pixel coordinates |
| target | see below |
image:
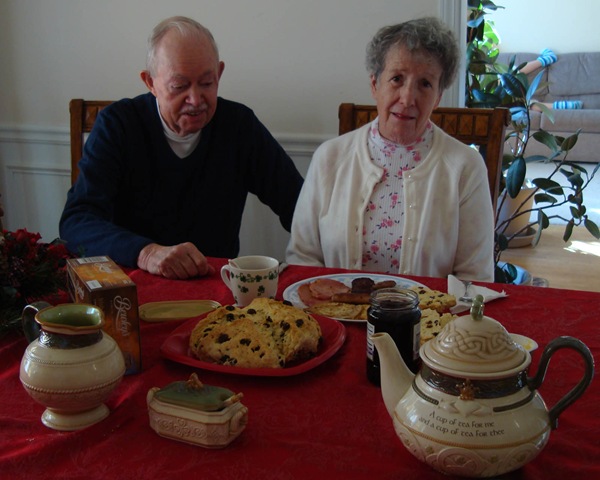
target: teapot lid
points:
(475, 346)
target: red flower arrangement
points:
(29, 271)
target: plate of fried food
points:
(343, 296)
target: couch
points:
(575, 76)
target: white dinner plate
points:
(291, 293)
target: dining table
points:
(325, 422)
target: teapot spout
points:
(396, 378)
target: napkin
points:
(457, 288)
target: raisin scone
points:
(434, 299)
(265, 334)
(432, 323)
(339, 310)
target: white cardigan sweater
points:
(449, 220)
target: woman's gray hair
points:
(186, 27)
(428, 35)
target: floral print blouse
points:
(384, 216)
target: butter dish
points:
(192, 412)
(175, 310)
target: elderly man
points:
(164, 176)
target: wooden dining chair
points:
(484, 127)
(83, 115)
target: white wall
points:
(563, 26)
(292, 61)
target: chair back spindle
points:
(484, 127)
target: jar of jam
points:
(395, 311)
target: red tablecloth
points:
(329, 422)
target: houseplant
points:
(491, 84)
(30, 270)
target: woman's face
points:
(406, 92)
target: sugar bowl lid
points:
(475, 346)
(196, 395)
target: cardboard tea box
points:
(101, 282)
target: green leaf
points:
(474, 23)
(500, 275)
(538, 233)
(569, 142)
(515, 177)
(519, 115)
(502, 242)
(568, 230)
(534, 85)
(543, 220)
(575, 212)
(544, 198)
(511, 271)
(489, 5)
(575, 179)
(485, 100)
(547, 139)
(576, 199)
(545, 110)
(592, 228)
(536, 159)
(513, 85)
(574, 167)
(519, 67)
(548, 185)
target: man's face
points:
(185, 81)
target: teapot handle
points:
(536, 381)
(31, 328)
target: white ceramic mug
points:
(251, 277)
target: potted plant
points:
(491, 84)
(30, 270)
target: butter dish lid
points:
(475, 346)
(175, 310)
(196, 395)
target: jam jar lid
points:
(475, 346)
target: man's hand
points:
(177, 262)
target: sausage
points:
(354, 298)
(384, 284)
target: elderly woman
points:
(399, 195)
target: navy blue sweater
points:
(133, 190)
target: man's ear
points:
(148, 80)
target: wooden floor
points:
(574, 265)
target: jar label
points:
(370, 344)
(416, 340)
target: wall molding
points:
(34, 134)
(35, 159)
(36, 170)
(294, 143)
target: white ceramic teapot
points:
(472, 410)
